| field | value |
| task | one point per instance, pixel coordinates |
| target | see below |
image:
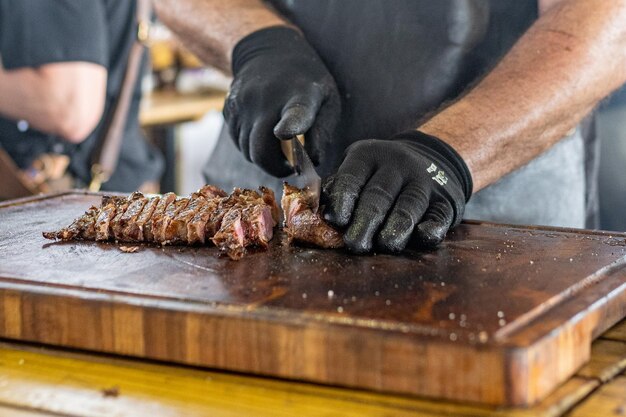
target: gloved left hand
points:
(388, 191)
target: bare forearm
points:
(212, 28)
(64, 99)
(573, 56)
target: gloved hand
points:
(387, 191)
(281, 88)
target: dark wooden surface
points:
(498, 314)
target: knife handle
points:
(287, 148)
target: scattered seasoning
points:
(388, 302)
(113, 391)
(339, 309)
(502, 322)
(304, 295)
(331, 293)
(129, 249)
(500, 314)
(532, 262)
(482, 336)
(451, 316)
(499, 256)
(453, 337)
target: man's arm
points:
(212, 28)
(64, 99)
(570, 59)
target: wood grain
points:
(498, 314)
(608, 359)
(617, 333)
(73, 383)
(609, 401)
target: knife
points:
(310, 182)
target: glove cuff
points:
(272, 40)
(442, 151)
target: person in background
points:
(411, 107)
(63, 63)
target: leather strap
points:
(106, 154)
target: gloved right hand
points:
(281, 88)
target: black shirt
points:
(39, 32)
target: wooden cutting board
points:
(498, 314)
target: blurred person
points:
(412, 106)
(63, 63)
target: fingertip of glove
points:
(430, 234)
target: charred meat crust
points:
(232, 222)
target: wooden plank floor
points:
(37, 381)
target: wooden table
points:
(41, 381)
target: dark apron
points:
(396, 61)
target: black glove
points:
(281, 89)
(387, 191)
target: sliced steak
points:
(115, 228)
(303, 225)
(110, 206)
(134, 230)
(232, 222)
(231, 237)
(270, 199)
(161, 232)
(137, 201)
(150, 225)
(176, 230)
(81, 228)
(197, 226)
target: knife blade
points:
(310, 181)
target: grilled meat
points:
(134, 230)
(232, 222)
(165, 201)
(303, 225)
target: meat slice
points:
(162, 234)
(211, 191)
(231, 237)
(303, 225)
(115, 227)
(136, 203)
(165, 201)
(176, 230)
(109, 207)
(81, 228)
(134, 230)
(270, 199)
(246, 220)
(196, 227)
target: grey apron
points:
(396, 61)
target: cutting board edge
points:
(281, 347)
